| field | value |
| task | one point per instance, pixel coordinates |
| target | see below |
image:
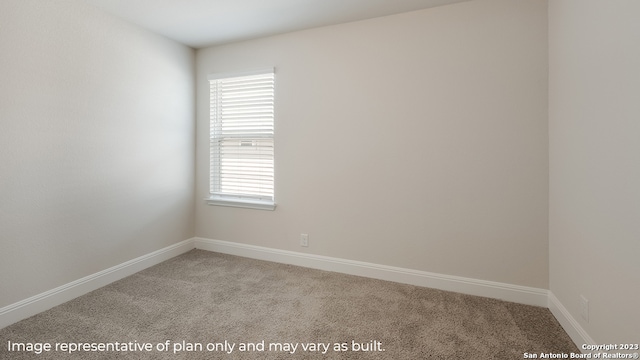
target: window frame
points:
(220, 198)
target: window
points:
(241, 142)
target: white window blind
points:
(242, 146)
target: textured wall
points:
(594, 128)
(416, 140)
(96, 144)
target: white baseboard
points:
(23, 309)
(496, 290)
(515, 293)
(569, 323)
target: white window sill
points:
(242, 203)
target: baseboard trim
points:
(496, 290)
(569, 323)
(515, 293)
(23, 309)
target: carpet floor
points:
(205, 305)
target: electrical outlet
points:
(304, 240)
(584, 308)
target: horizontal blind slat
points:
(241, 119)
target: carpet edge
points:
(569, 323)
(503, 291)
(38, 303)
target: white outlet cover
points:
(584, 308)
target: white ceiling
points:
(200, 23)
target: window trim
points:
(214, 200)
(239, 200)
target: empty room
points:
(358, 179)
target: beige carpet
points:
(208, 299)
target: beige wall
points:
(437, 122)
(416, 140)
(594, 127)
(96, 144)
